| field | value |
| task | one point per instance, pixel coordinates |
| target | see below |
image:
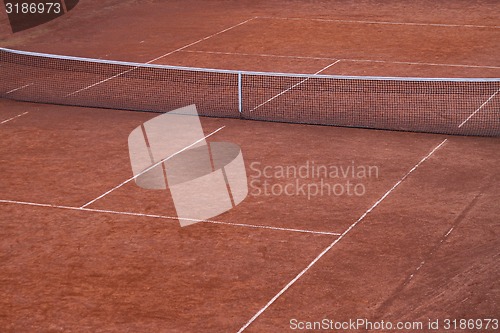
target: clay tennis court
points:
(417, 241)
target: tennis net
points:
(433, 105)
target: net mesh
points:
(406, 105)
(114, 85)
(448, 106)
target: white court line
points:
(208, 37)
(449, 232)
(422, 263)
(338, 239)
(295, 85)
(16, 89)
(19, 115)
(151, 167)
(261, 55)
(105, 211)
(382, 22)
(162, 56)
(101, 82)
(422, 63)
(478, 109)
(344, 59)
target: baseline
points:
(105, 211)
(446, 25)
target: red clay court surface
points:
(422, 243)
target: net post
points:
(240, 94)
